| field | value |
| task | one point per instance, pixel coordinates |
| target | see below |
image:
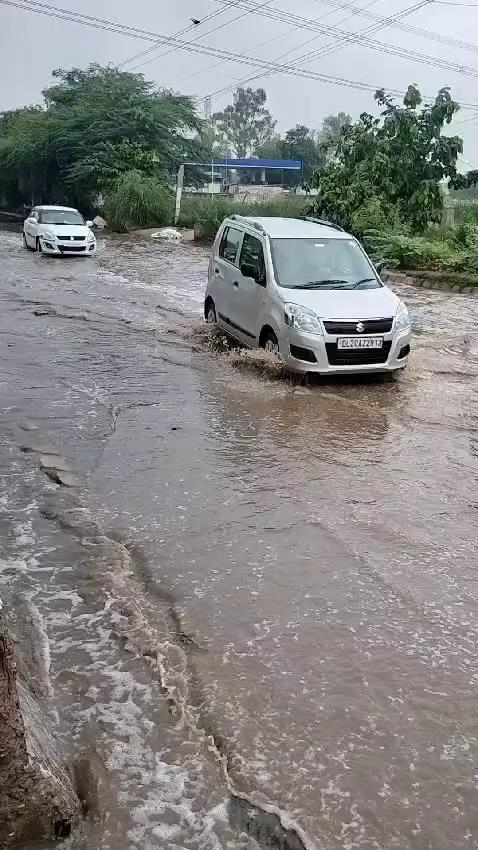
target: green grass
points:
(208, 213)
(138, 201)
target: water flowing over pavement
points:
(254, 621)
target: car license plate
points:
(360, 342)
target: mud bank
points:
(37, 798)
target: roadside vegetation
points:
(93, 127)
(207, 214)
(138, 201)
(109, 141)
(385, 182)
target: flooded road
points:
(254, 622)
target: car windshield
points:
(322, 264)
(61, 217)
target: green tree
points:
(246, 124)
(95, 125)
(298, 143)
(331, 131)
(391, 165)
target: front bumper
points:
(306, 352)
(63, 248)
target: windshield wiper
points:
(318, 284)
(364, 280)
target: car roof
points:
(291, 228)
(51, 207)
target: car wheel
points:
(38, 245)
(270, 343)
(210, 312)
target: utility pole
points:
(207, 108)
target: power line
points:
(276, 38)
(431, 35)
(31, 5)
(203, 35)
(175, 35)
(136, 32)
(311, 24)
(352, 38)
(323, 51)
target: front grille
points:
(66, 248)
(370, 326)
(357, 356)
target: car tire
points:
(38, 248)
(270, 343)
(210, 312)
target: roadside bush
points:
(465, 212)
(138, 201)
(209, 213)
(457, 252)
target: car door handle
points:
(236, 284)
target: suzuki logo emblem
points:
(360, 327)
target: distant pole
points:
(179, 192)
(212, 177)
(207, 108)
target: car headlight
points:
(49, 235)
(90, 237)
(302, 319)
(402, 319)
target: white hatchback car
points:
(306, 289)
(59, 230)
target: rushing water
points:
(255, 621)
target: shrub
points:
(209, 213)
(138, 201)
(449, 253)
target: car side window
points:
(230, 241)
(252, 253)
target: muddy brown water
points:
(254, 623)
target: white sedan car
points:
(58, 231)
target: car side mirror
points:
(89, 223)
(250, 270)
(380, 266)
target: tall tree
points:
(95, 125)
(331, 131)
(392, 165)
(298, 143)
(245, 124)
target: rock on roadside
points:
(37, 797)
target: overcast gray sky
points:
(32, 45)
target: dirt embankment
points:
(37, 797)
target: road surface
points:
(254, 620)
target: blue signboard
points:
(286, 164)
